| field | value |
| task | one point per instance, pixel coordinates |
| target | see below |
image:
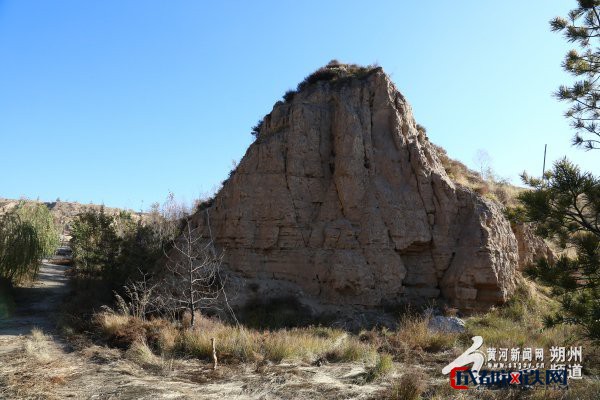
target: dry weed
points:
(37, 346)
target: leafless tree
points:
(165, 218)
(194, 280)
(483, 160)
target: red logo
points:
(514, 378)
(453, 378)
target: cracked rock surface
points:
(343, 202)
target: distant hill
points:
(65, 211)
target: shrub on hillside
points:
(289, 96)
(491, 186)
(256, 128)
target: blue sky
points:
(120, 102)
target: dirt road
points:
(35, 304)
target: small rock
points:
(440, 323)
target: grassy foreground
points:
(406, 362)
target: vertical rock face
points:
(531, 247)
(342, 201)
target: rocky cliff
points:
(341, 201)
(531, 247)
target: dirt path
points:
(35, 304)
(35, 363)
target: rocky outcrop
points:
(342, 202)
(531, 247)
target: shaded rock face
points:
(531, 247)
(342, 202)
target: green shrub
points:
(94, 241)
(27, 234)
(289, 95)
(204, 204)
(256, 128)
(117, 248)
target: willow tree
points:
(27, 234)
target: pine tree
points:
(564, 204)
(565, 207)
(582, 26)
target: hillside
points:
(64, 211)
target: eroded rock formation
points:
(342, 201)
(531, 247)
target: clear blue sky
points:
(120, 102)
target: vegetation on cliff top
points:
(334, 71)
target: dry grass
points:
(414, 333)
(32, 371)
(411, 340)
(112, 323)
(141, 354)
(411, 343)
(234, 344)
(166, 340)
(382, 368)
(409, 387)
(493, 189)
(295, 344)
(37, 346)
(526, 310)
(350, 350)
